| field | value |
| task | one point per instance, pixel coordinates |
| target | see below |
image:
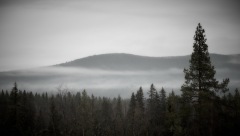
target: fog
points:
(97, 81)
(116, 74)
(100, 82)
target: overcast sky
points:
(37, 33)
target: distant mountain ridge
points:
(122, 61)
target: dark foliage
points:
(23, 113)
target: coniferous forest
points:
(205, 107)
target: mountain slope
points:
(134, 62)
(126, 62)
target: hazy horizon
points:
(44, 66)
(113, 74)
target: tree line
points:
(69, 114)
(204, 108)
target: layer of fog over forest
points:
(116, 74)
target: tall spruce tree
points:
(200, 77)
(163, 99)
(140, 113)
(131, 116)
(140, 100)
(201, 86)
(162, 109)
(13, 117)
(118, 118)
(153, 111)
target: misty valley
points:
(119, 68)
(116, 74)
(125, 95)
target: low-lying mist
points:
(99, 82)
